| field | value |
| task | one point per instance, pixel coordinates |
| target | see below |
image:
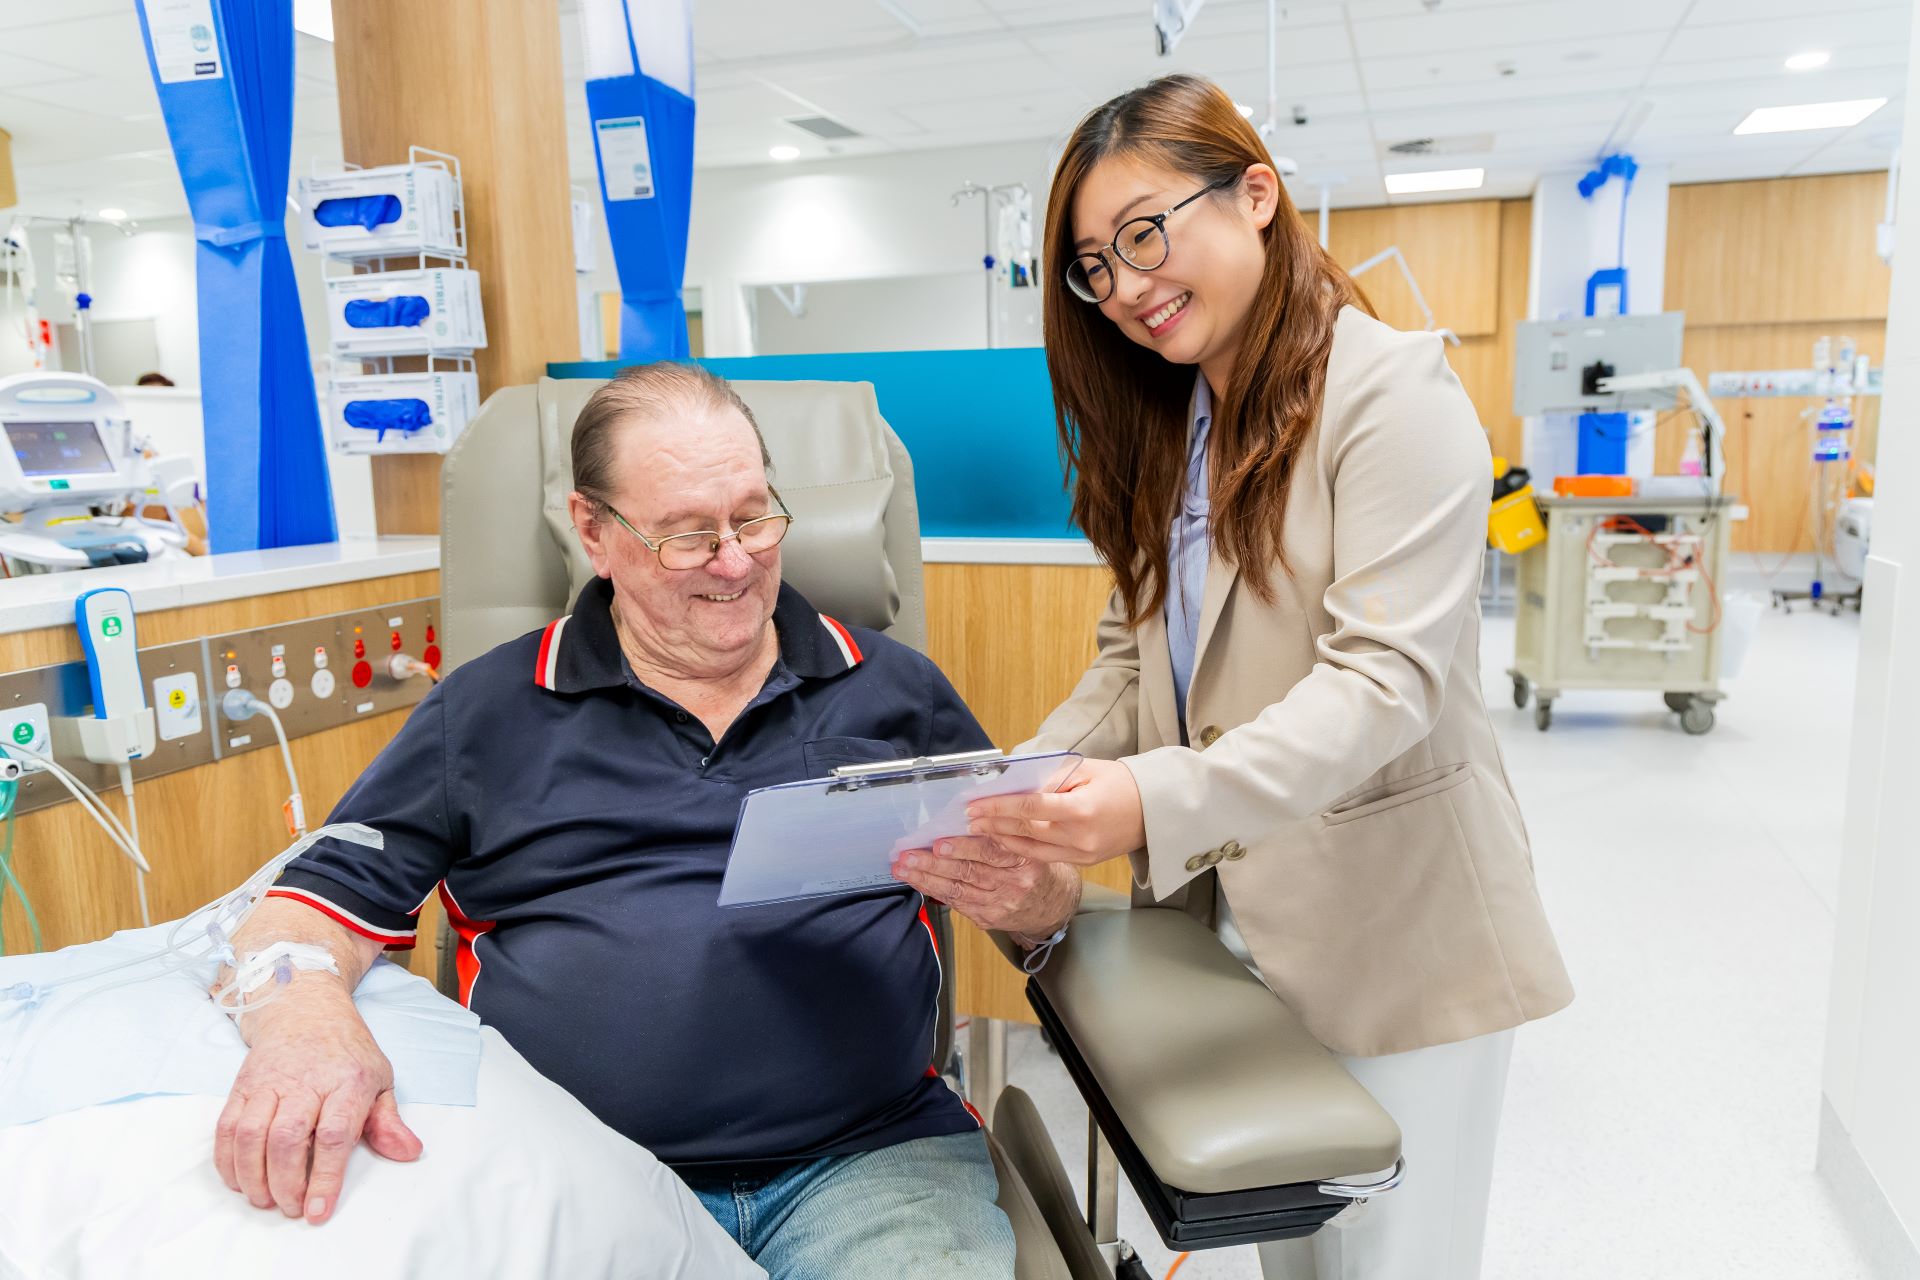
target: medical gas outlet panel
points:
(316, 673)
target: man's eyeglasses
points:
(696, 550)
(1141, 243)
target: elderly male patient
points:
(573, 795)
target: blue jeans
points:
(923, 1208)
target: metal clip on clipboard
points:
(891, 773)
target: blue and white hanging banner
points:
(639, 58)
(224, 72)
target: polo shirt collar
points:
(582, 650)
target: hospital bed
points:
(1231, 1122)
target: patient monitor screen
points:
(58, 448)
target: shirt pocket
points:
(1394, 794)
(823, 755)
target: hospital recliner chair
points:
(1232, 1123)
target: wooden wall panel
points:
(1453, 249)
(1014, 639)
(1484, 363)
(206, 829)
(1777, 251)
(1770, 442)
(1762, 270)
(490, 93)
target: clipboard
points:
(839, 834)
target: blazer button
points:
(1213, 858)
(1196, 862)
(1209, 735)
(1234, 851)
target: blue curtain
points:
(649, 235)
(232, 132)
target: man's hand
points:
(1095, 815)
(993, 887)
(313, 1084)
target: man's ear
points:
(591, 530)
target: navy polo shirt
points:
(576, 824)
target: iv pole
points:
(989, 200)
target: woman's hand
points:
(1094, 816)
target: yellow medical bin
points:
(1514, 523)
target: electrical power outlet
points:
(26, 726)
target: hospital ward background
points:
(299, 301)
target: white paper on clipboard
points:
(837, 835)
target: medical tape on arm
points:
(284, 957)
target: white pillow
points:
(525, 1184)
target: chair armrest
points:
(1213, 1078)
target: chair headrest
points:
(832, 465)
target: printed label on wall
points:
(625, 161)
(185, 46)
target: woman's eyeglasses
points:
(1141, 243)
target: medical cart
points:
(1624, 594)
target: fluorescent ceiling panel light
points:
(315, 17)
(114, 215)
(1809, 60)
(1406, 184)
(1811, 115)
(785, 153)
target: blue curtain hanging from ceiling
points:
(227, 95)
(646, 187)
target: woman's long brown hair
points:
(1122, 412)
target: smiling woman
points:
(1283, 726)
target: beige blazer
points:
(1343, 780)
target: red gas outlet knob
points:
(429, 635)
(396, 642)
(431, 656)
(362, 675)
(359, 648)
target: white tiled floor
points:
(1664, 1125)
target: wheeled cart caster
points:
(1543, 715)
(1697, 718)
(1521, 692)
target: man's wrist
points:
(311, 993)
(1027, 941)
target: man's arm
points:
(313, 1081)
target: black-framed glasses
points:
(697, 549)
(1141, 243)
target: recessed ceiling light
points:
(785, 153)
(1809, 60)
(1404, 184)
(1810, 115)
(1245, 111)
(114, 215)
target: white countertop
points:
(46, 599)
(1007, 551)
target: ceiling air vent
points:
(1458, 144)
(823, 127)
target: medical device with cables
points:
(77, 473)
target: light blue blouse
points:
(1189, 548)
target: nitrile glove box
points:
(394, 313)
(396, 209)
(401, 412)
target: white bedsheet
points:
(524, 1185)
